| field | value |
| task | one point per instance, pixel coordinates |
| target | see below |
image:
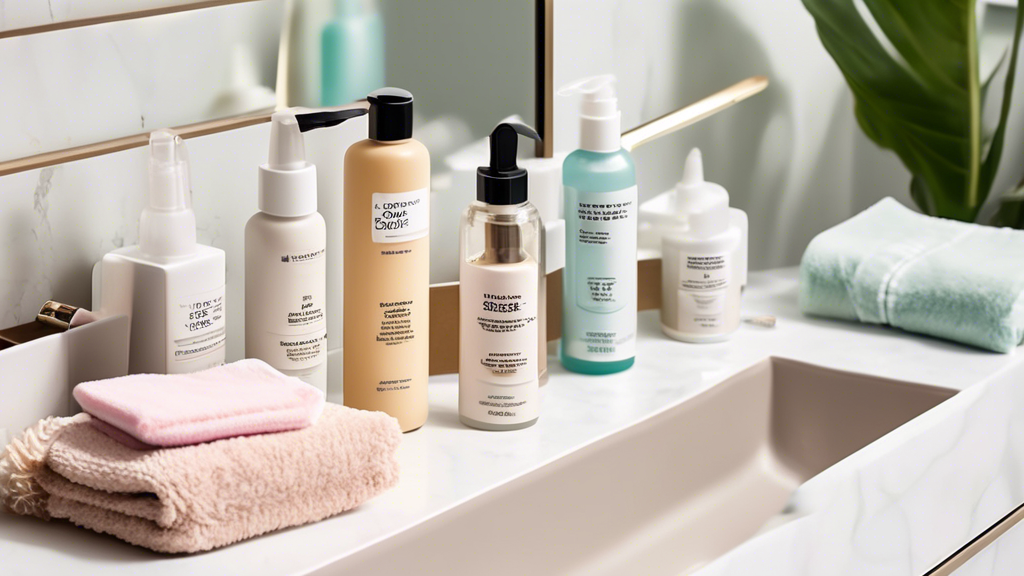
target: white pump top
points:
(168, 225)
(703, 205)
(287, 182)
(600, 118)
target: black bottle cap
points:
(504, 183)
(390, 114)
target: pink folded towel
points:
(199, 497)
(238, 399)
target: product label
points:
(703, 291)
(395, 323)
(499, 342)
(293, 311)
(198, 326)
(602, 265)
(400, 217)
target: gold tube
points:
(693, 113)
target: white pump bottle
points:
(170, 286)
(701, 276)
(286, 262)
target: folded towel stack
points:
(890, 265)
(200, 496)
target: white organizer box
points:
(36, 378)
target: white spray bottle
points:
(170, 286)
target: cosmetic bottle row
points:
(173, 288)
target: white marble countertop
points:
(445, 464)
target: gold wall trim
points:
(546, 77)
(138, 140)
(128, 142)
(119, 17)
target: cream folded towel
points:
(194, 498)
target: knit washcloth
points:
(199, 497)
(948, 279)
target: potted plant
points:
(918, 91)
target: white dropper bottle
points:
(286, 262)
(700, 283)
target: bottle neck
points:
(601, 134)
(165, 234)
(503, 244)
(287, 193)
(390, 142)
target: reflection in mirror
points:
(469, 65)
(85, 85)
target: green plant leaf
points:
(920, 94)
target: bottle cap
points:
(704, 205)
(390, 114)
(600, 119)
(504, 183)
(287, 185)
(168, 225)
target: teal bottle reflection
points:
(599, 282)
(352, 53)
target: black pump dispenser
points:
(390, 114)
(313, 120)
(504, 183)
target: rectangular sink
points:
(670, 494)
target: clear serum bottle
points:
(501, 264)
(599, 297)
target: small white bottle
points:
(701, 280)
(501, 265)
(170, 286)
(286, 262)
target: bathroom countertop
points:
(876, 512)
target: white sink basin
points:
(670, 494)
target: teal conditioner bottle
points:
(599, 296)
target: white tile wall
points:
(72, 87)
(15, 14)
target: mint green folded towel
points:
(891, 265)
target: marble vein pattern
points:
(903, 505)
(78, 86)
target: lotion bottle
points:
(170, 286)
(701, 276)
(599, 297)
(286, 255)
(501, 270)
(387, 265)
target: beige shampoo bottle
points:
(387, 265)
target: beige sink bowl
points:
(670, 494)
